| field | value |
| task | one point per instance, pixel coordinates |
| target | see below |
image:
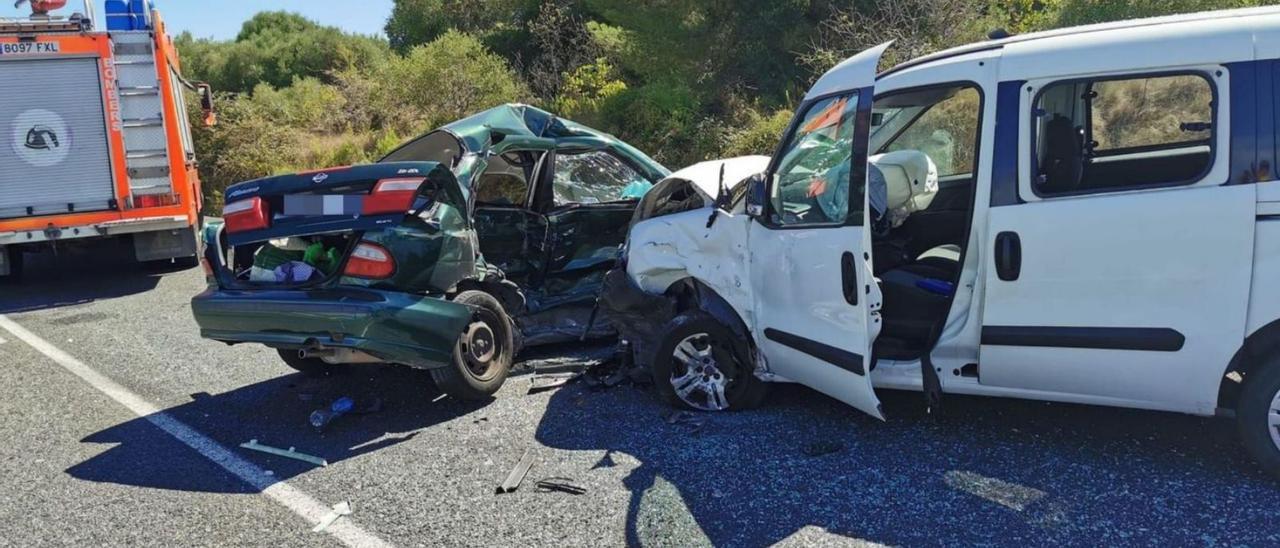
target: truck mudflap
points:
(397, 327)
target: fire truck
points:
(95, 136)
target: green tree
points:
(442, 81)
(1082, 12)
(275, 48)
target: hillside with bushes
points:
(682, 80)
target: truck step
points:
(143, 122)
(144, 154)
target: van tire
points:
(309, 366)
(484, 352)
(742, 390)
(1261, 389)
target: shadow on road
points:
(988, 471)
(79, 275)
(275, 413)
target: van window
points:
(813, 176)
(1122, 133)
(944, 126)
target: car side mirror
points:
(206, 105)
(757, 192)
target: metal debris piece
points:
(253, 445)
(561, 485)
(340, 509)
(517, 474)
(542, 383)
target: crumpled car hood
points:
(703, 178)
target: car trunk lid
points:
(335, 200)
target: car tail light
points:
(246, 215)
(392, 196)
(370, 261)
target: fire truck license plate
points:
(28, 48)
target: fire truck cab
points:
(95, 139)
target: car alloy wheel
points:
(701, 373)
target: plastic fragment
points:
(517, 474)
(253, 445)
(340, 509)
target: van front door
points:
(816, 304)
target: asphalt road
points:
(79, 467)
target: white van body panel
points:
(1264, 294)
(1198, 258)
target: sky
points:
(222, 18)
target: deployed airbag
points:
(910, 183)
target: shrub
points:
(442, 81)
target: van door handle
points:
(849, 278)
(1008, 256)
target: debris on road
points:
(619, 369)
(321, 418)
(694, 421)
(560, 485)
(543, 383)
(291, 453)
(517, 474)
(340, 509)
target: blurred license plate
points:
(328, 204)
(29, 48)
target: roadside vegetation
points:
(683, 80)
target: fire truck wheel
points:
(15, 258)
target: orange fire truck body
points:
(97, 140)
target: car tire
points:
(716, 372)
(1258, 416)
(483, 355)
(308, 366)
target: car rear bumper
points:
(396, 327)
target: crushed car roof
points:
(478, 131)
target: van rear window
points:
(1122, 133)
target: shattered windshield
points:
(813, 175)
(596, 177)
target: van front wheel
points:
(1258, 416)
(483, 354)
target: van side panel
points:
(1253, 159)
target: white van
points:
(1083, 215)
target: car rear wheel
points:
(1258, 416)
(483, 354)
(309, 366)
(701, 365)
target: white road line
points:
(286, 495)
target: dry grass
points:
(1150, 111)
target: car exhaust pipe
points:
(317, 353)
